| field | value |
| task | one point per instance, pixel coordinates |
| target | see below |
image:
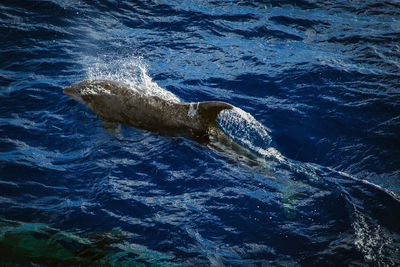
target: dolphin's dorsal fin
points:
(209, 110)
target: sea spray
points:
(129, 70)
(244, 129)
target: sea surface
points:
(316, 86)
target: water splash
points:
(244, 129)
(130, 70)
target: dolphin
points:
(115, 102)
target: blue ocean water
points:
(322, 77)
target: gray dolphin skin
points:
(114, 102)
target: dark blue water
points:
(321, 76)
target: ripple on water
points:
(320, 81)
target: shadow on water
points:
(37, 243)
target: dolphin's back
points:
(117, 102)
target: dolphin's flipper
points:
(210, 110)
(110, 126)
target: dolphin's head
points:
(75, 91)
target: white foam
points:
(129, 70)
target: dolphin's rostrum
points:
(114, 102)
